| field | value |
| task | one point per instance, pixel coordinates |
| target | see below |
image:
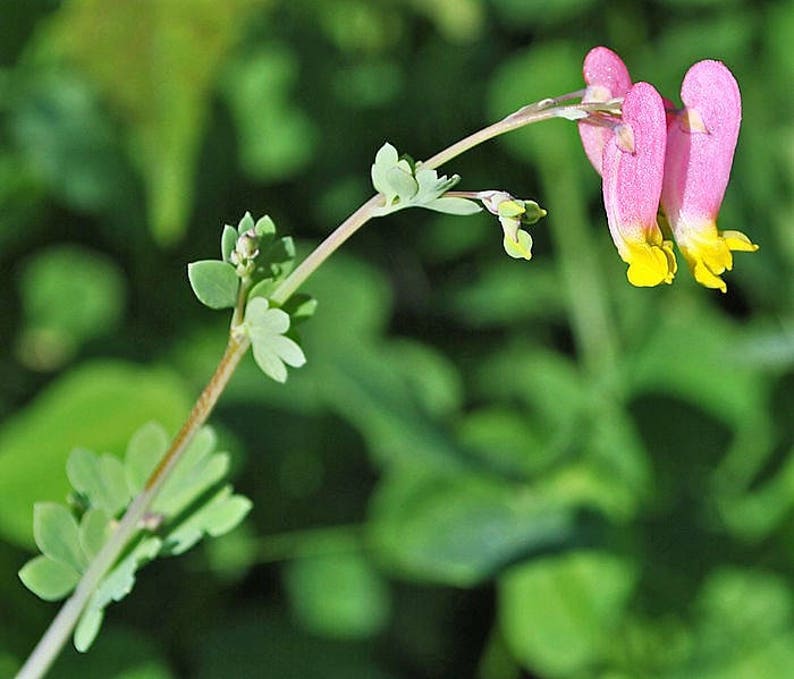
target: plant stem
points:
(532, 113)
(50, 645)
(57, 634)
(325, 249)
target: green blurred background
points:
(489, 468)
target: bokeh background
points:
(489, 468)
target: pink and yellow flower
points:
(655, 153)
(632, 168)
(700, 147)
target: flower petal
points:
(700, 147)
(633, 165)
(607, 78)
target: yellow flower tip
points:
(737, 241)
(709, 255)
(650, 265)
(707, 278)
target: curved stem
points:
(57, 634)
(325, 249)
(62, 625)
(532, 113)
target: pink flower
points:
(700, 145)
(607, 78)
(632, 168)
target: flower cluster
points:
(665, 170)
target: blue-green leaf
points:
(57, 535)
(87, 628)
(94, 531)
(144, 451)
(115, 586)
(228, 241)
(117, 396)
(101, 479)
(218, 516)
(452, 205)
(215, 283)
(49, 580)
(266, 328)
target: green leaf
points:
(340, 596)
(265, 228)
(431, 186)
(402, 184)
(266, 328)
(47, 579)
(35, 443)
(406, 184)
(145, 449)
(560, 614)
(454, 206)
(219, 515)
(101, 479)
(246, 223)
(88, 628)
(386, 158)
(460, 528)
(94, 531)
(228, 242)
(57, 535)
(199, 469)
(215, 283)
(114, 587)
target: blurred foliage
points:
(489, 467)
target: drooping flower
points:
(632, 169)
(700, 146)
(607, 78)
(513, 214)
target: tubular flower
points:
(607, 78)
(632, 169)
(700, 146)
